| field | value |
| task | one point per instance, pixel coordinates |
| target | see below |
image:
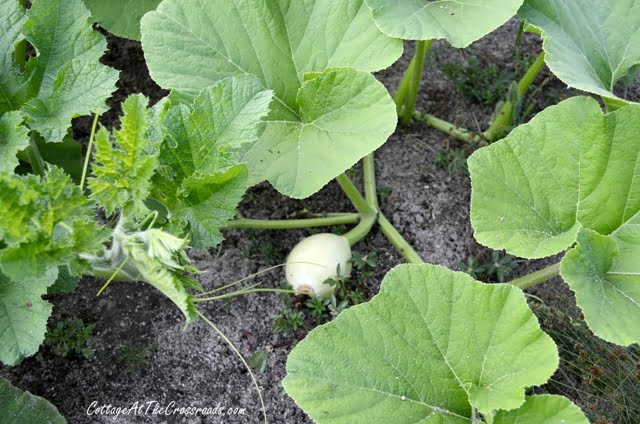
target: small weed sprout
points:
(497, 269)
(69, 338)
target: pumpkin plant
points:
(283, 91)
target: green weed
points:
(69, 338)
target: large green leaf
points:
(191, 44)
(201, 180)
(543, 409)
(79, 88)
(23, 315)
(123, 167)
(13, 138)
(46, 223)
(460, 22)
(604, 271)
(20, 407)
(570, 168)
(430, 346)
(11, 20)
(12, 82)
(65, 79)
(589, 44)
(121, 17)
(355, 117)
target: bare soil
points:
(142, 351)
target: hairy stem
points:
(244, 362)
(398, 241)
(35, 158)
(284, 224)
(504, 117)
(361, 230)
(87, 158)
(113, 276)
(532, 73)
(453, 130)
(410, 85)
(353, 194)
(370, 190)
(537, 277)
(367, 212)
(501, 122)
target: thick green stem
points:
(35, 158)
(285, 224)
(537, 277)
(352, 192)
(113, 276)
(404, 87)
(410, 85)
(361, 230)
(106, 274)
(367, 212)
(501, 122)
(531, 75)
(370, 190)
(87, 158)
(398, 241)
(448, 128)
(504, 117)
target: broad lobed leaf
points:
(51, 88)
(543, 409)
(430, 346)
(51, 116)
(589, 44)
(23, 407)
(201, 180)
(189, 45)
(13, 138)
(123, 167)
(355, 117)
(49, 221)
(12, 82)
(23, 315)
(121, 17)
(570, 175)
(604, 272)
(459, 22)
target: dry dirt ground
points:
(142, 351)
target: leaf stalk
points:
(400, 243)
(537, 277)
(87, 158)
(368, 213)
(450, 129)
(284, 224)
(504, 117)
(410, 85)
